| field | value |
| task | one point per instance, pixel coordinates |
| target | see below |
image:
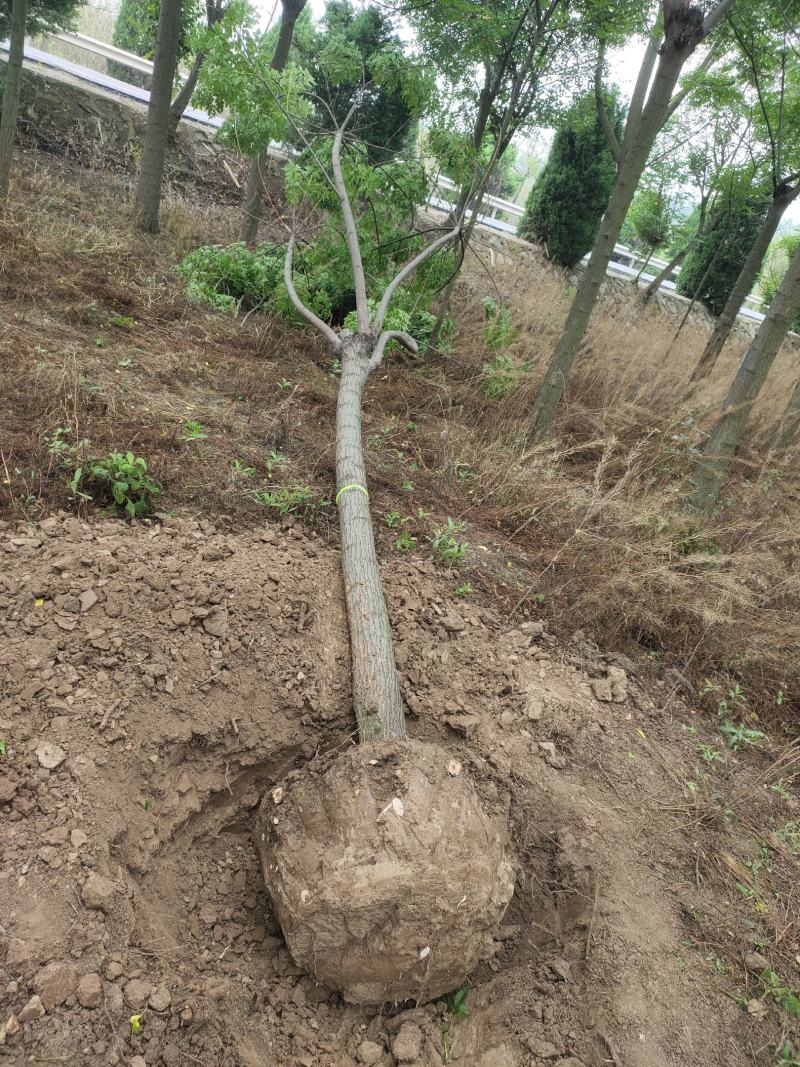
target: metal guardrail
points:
(107, 51)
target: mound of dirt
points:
(157, 680)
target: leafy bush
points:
(227, 279)
(567, 202)
(712, 266)
(120, 479)
(445, 546)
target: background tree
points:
(135, 30)
(764, 36)
(650, 218)
(259, 159)
(356, 43)
(18, 17)
(652, 103)
(147, 198)
(711, 268)
(214, 12)
(567, 202)
(777, 261)
(723, 441)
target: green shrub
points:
(233, 277)
(712, 266)
(120, 479)
(571, 194)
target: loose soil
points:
(158, 679)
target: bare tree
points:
(147, 199)
(290, 13)
(652, 103)
(721, 445)
(11, 91)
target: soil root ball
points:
(386, 872)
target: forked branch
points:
(350, 231)
(330, 335)
(409, 268)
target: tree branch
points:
(409, 268)
(405, 339)
(602, 113)
(351, 233)
(710, 58)
(640, 89)
(330, 336)
(716, 15)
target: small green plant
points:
(738, 735)
(780, 790)
(445, 546)
(465, 589)
(3, 747)
(295, 501)
(709, 753)
(285, 383)
(58, 443)
(498, 330)
(500, 377)
(772, 987)
(404, 542)
(273, 460)
(193, 431)
(122, 479)
(239, 470)
(789, 833)
(451, 1011)
(124, 322)
(100, 342)
(788, 1056)
(393, 519)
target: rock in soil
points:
(417, 875)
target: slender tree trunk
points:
(790, 422)
(148, 188)
(376, 689)
(650, 255)
(181, 101)
(724, 439)
(11, 91)
(290, 13)
(744, 283)
(683, 36)
(664, 273)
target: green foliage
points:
(297, 500)
(777, 260)
(355, 51)
(789, 833)
(120, 479)
(773, 987)
(650, 218)
(135, 31)
(445, 546)
(43, 16)
(193, 431)
(567, 203)
(3, 747)
(236, 277)
(259, 105)
(716, 259)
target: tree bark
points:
(11, 91)
(683, 32)
(790, 423)
(376, 688)
(743, 286)
(664, 273)
(290, 13)
(724, 439)
(147, 200)
(181, 101)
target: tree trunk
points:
(721, 445)
(650, 255)
(290, 13)
(376, 689)
(181, 101)
(681, 41)
(148, 188)
(743, 286)
(790, 423)
(664, 273)
(11, 91)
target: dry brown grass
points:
(600, 511)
